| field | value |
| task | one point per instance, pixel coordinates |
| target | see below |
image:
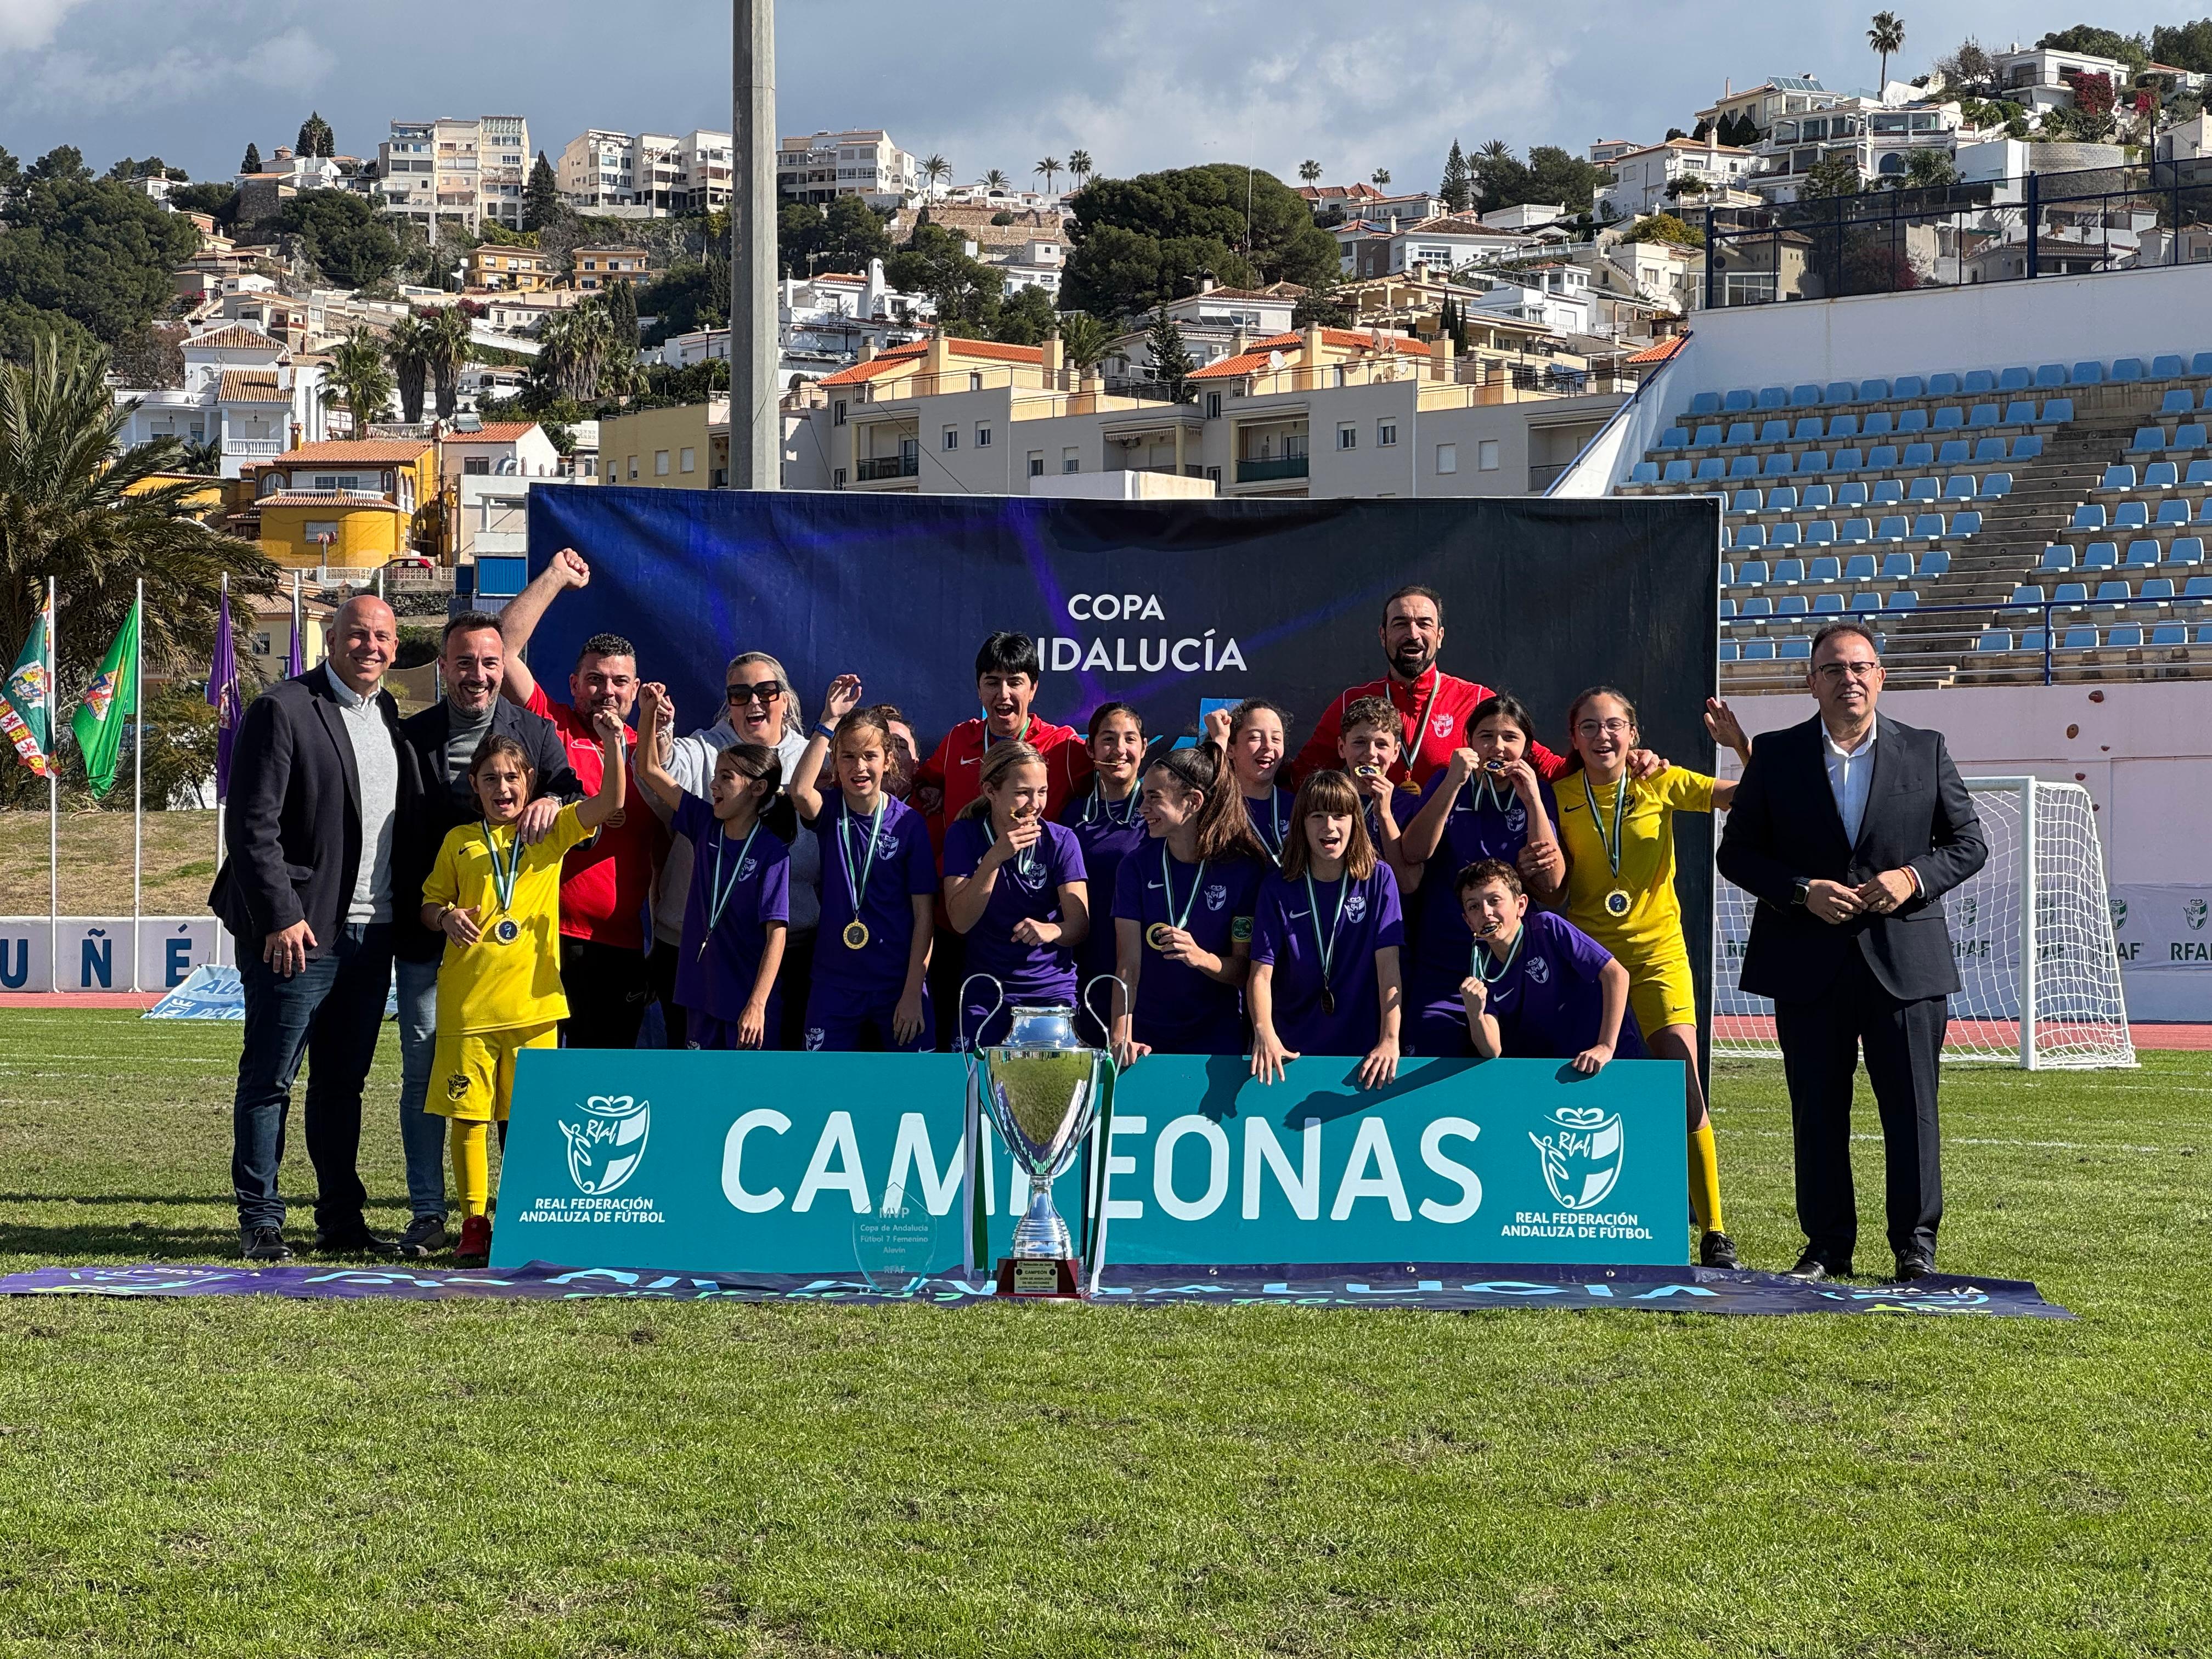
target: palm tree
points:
(1079, 167)
(1887, 36)
(1309, 171)
(202, 459)
(1495, 151)
(995, 179)
(1050, 168)
(1083, 338)
(448, 353)
(935, 171)
(407, 348)
(76, 505)
(359, 379)
(1380, 176)
(573, 350)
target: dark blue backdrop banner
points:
(1157, 603)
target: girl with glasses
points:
(1617, 832)
(1326, 943)
(1106, 824)
(1182, 914)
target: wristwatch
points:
(1802, 892)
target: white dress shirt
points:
(1850, 779)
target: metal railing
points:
(1886, 241)
(1288, 466)
(888, 466)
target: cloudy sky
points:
(1139, 83)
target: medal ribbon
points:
(859, 889)
(1327, 947)
(1096, 805)
(719, 893)
(504, 872)
(1025, 860)
(1615, 846)
(1272, 842)
(1167, 887)
(1421, 726)
(1477, 958)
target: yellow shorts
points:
(472, 1072)
(1661, 993)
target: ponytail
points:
(1223, 831)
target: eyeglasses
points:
(1832, 671)
(766, 692)
(1614, 728)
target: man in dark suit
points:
(1849, 829)
(440, 742)
(318, 789)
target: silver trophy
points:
(1043, 1088)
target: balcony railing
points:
(888, 466)
(1290, 466)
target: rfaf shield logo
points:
(2193, 914)
(2119, 913)
(606, 1147)
(1581, 1156)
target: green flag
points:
(24, 702)
(107, 703)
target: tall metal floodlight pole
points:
(755, 426)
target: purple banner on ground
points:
(1448, 1287)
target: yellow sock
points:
(472, 1165)
(1705, 1180)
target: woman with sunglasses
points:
(1106, 824)
(758, 707)
(1617, 832)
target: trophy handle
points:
(1106, 1023)
(961, 1015)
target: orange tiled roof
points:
(357, 450)
(236, 337)
(898, 357)
(493, 432)
(251, 386)
(1660, 352)
(1254, 360)
(345, 499)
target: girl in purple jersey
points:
(1107, 825)
(1182, 914)
(1015, 889)
(1251, 737)
(878, 887)
(1326, 941)
(1488, 803)
(1537, 987)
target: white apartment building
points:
(1641, 178)
(1041, 262)
(465, 170)
(242, 390)
(1366, 250)
(863, 162)
(645, 174)
(1528, 215)
(1879, 137)
(1606, 151)
(2038, 76)
(1215, 323)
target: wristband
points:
(824, 729)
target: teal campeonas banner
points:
(844, 1164)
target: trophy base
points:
(1038, 1278)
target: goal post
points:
(2033, 932)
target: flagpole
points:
(138, 778)
(53, 797)
(218, 788)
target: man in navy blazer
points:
(1849, 829)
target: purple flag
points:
(295, 663)
(222, 696)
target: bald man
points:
(319, 782)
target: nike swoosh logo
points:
(971, 760)
(1299, 915)
(1153, 886)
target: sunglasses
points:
(766, 692)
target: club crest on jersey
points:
(1442, 726)
(1217, 896)
(1581, 1155)
(1516, 818)
(1539, 970)
(1355, 908)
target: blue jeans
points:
(422, 1134)
(331, 1014)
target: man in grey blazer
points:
(1849, 829)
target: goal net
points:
(2033, 932)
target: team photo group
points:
(1430, 869)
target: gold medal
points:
(1157, 935)
(1616, 903)
(856, 935)
(507, 931)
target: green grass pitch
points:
(238, 1477)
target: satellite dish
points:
(1274, 360)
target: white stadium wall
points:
(2144, 753)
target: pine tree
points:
(541, 197)
(1457, 188)
(252, 161)
(1172, 362)
(622, 316)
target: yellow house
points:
(683, 448)
(517, 270)
(356, 505)
(207, 498)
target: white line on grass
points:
(2033, 1146)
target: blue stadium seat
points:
(1935, 562)
(1950, 418)
(1910, 422)
(1958, 487)
(1728, 651)
(2070, 593)
(2142, 555)
(1744, 501)
(1977, 381)
(1940, 385)
(1813, 461)
(2057, 411)
(1644, 473)
(2168, 635)
(1986, 450)
(2034, 639)
(2056, 557)
(1957, 452)
(2161, 475)
(1879, 424)
(1897, 568)
(1758, 650)
(1904, 600)
(1875, 392)
(2201, 363)
(1678, 472)
(1708, 437)
(1740, 432)
(1926, 490)
(2130, 515)
(1865, 604)
(1847, 461)
(2122, 477)
(1774, 432)
(1882, 457)
(2090, 515)
(1747, 537)
(1995, 486)
(1828, 604)
(2148, 440)
(1905, 387)
(1817, 498)
(2051, 374)
(1804, 397)
(1773, 397)
(1927, 527)
(2159, 589)
(1887, 492)
(2126, 369)
(1821, 532)
(1966, 523)
(2101, 555)
(1991, 639)
(1857, 530)
(1758, 605)
(1751, 573)
(2016, 380)
(2168, 366)
(1853, 494)
(1987, 414)
(1790, 535)
(2128, 636)
(2190, 436)
(1808, 429)
(1739, 402)
(1824, 570)
(1743, 467)
(1798, 648)
(1706, 403)
(1711, 470)
(2079, 638)
(1893, 528)
(2204, 633)
(2112, 593)
(1780, 464)
(2088, 374)
(1843, 391)
(2200, 472)
(1847, 426)
(2019, 412)
(2208, 398)
(1674, 438)
(1859, 568)
(2027, 448)
(2178, 401)
(1728, 607)
(2173, 513)
(2186, 550)
(2020, 595)
(1727, 574)
(1793, 604)
(1783, 498)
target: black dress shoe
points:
(353, 1240)
(1810, 1269)
(263, 1244)
(1717, 1250)
(1914, 1264)
(425, 1236)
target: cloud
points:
(75, 82)
(27, 25)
